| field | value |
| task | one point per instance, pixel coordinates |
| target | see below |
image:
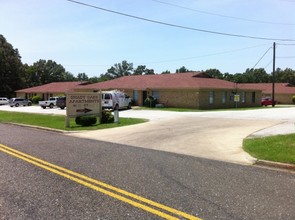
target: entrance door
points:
(144, 96)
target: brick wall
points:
(284, 98)
(179, 98)
(199, 99)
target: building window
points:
(211, 97)
(156, 94)
(224, 97)
(243, 97)
(253, 97)
(135, 95)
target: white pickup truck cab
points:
(51, 102)
(115, 100)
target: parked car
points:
(19, 101)
(115, 100)
(267, 101)
(4, 101)
(61, 102)
(51, 102)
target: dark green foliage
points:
(214, 73)
(182, 70)
(106, 117)
(150, 102)
(11, 69)
(142, 70)
(120, 69)
(82, 77)
(86, 120)
(47, 71)
(293, 99)
(36, 99)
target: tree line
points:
(15, 75)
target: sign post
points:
(116, 116)
(237, 99)
(82, 103)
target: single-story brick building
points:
(187, 90)
(283, 91)
(49, 90)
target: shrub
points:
(150, 102)
(86, 120)
(106, 117)
(36, 99)
(293, 99)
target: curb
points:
(277, 165)
(37, 127)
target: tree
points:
(256, 76)
(214, 73)
(11, 69)
(104, 77)
(94, 79)
(69, 77)
(120, 69)
(239, 78)
(29, 76)
(229, 77)
(182, 70)
(142, 70)
(82, 77)
(285, 76)
(47, 71)
(166, 72)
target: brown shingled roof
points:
(162, 81)
(55, 87)
(280, 88)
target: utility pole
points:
(273, 73)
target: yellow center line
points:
(72, 176)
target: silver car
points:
(4, 101)
(19, 101)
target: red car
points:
(267, 101)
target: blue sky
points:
(85, 39)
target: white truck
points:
(115, 100)
(51, 102)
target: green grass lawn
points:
(279, 148)
(58, 121)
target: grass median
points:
(58, 121)
(279, 148)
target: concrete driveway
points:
(215, 135)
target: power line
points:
(180, 26)
(261, 57)
(221, 15)
(206, 55)
(268, 64)
(286, 57)
(286, 44)
(175, 60)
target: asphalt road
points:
(198, 187)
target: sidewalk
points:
(282, 128)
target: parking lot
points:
(210, 134)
